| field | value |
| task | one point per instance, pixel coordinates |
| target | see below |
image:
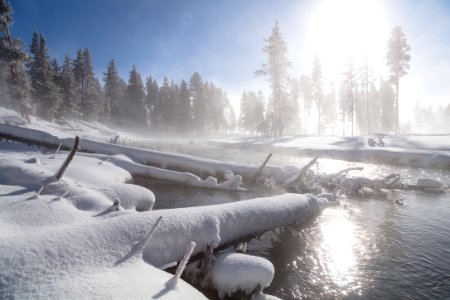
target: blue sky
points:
(222, 40)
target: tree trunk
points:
(397, 119)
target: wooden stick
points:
(255, 176)
(150, 234)
(300, 173)
(69, 158)
(184, 261)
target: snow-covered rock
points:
(428, 183)
(236, 271)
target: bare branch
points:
(69, 158)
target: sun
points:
(348, 30)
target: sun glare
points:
(348, 30)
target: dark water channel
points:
(361, 249)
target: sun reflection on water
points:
(339, 249)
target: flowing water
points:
(361, 249)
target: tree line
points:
(360, 104)
(36, 83)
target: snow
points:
(236, 271)
(70, 241)
(416, 151)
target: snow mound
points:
(235, 271)
(88, 183)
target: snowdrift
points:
(200, 166)
(55, 244)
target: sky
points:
(222, 40)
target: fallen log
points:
(177, 162)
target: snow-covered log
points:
(187, 163)
(231, 182)
(47, 257)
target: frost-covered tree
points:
(45, 93)
(199, 103)
(306, 92)
(317, 89)
(217, 101)
(152, 102)
(387, 97)
(397, 59)
(13, 79)
(252, 112)
(135, 95)
(92, 103)
(79, 73)
(347, 97)
(329, 109)
(70, 100)
(165, 107)
(114, 92)
(276, 69)
(374, 108)
(183, 110)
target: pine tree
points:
(252, 112)
(164, 108)
(347, 97)
(70, 100)
(12, 57)
(306, 91)
(217, 100)
(374, 108)
(152, 102)
(398, 62)
(388, 113)
(329, 110)
(91, 102)
(317, 89)
(294, 111)
(183, 110)
(114, 94)
(6, 20)
(276, 69)
(135, 95)
(45, 92)
(78, 73)
(199, 104)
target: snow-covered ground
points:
(409, 150)
(87, 235)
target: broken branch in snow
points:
(184, 261)
(59, 147)
(69, 158)
(150, 234)
(300, 173)
(256, 175)
(298, 182)
(331, 180)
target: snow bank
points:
(235, 271)
(37, 257)
(232, 182)
(88, 183)
(196, 165)
(414, 151)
